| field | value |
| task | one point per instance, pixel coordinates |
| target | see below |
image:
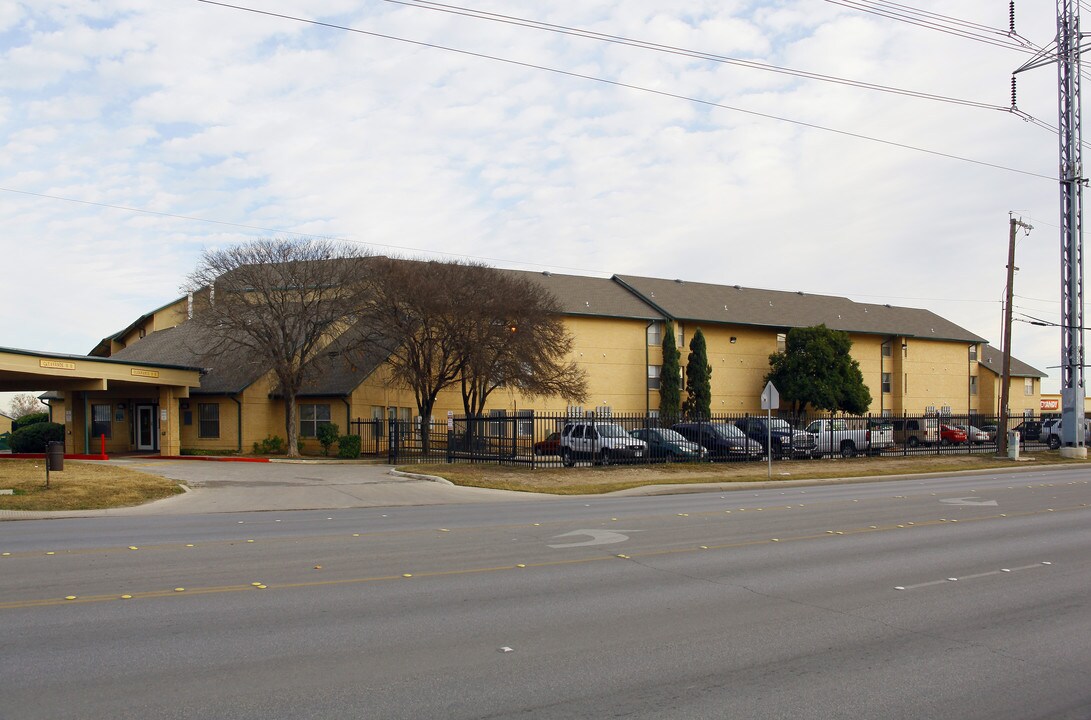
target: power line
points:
(675, 50)
(941, 23)
(630, 86)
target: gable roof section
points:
(229, 372)
(737, 305)
(590, 296)
(103, 347)
(342, 366)
(993, 359)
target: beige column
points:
(169, 440)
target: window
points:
(886, 382)
(526, 423)
(655, 333)
(208, 420)
(679, 336)
(973, 384)
(574, 411)
(311, 415)
(887, 412)
(887, 349)
(100, 420)
(653, 376)
(378, 420)
(973, 353)
(497, 426)
(782, 342)
(604, 411)
(1028, 386)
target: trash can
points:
(54, 455)
(1013, 445)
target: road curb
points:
(422, 476)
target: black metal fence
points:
(535, 440)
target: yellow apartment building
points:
(153, 386)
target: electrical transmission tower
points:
(1065, 51)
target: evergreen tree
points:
(698, 402)
(816, 369)
(670, 380)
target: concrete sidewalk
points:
(214, 487)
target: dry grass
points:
(81, 486)
(588, 480)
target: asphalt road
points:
(939, 598)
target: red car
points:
(950, 435)
(550, 446)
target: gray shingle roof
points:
(703, 302)
(589, 296)
(993, 359)
(187, 344)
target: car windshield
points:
(615, 431)
(668, 435)
(781, 425)
(727, 431)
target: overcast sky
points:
(218, 118)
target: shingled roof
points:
(737, 305)
(590, 296)
(993, 359)
(187, 344)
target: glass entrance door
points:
(146, 436)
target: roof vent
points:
(678, 281)
(651, 294)
(546, 273)
(725, 307)
(737, 287)
(839, 317)
(799, 292)
(770, 303)
(887, 305)
(587, 303)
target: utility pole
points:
(1005, 375)
(1065, 51)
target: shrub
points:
(327, 435)
(271, 445)
(348, 446)
(29, 419)
(33, 438)
(204, 451)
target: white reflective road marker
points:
(970, 577)
(967, 501)
(598, 537)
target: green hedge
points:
(348, 446)
(29, 419)
(32, 438)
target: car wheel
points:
(1054, 442)
(816, 455)
(566, 457)
(944, 441)
(848, 450)
(913, 441)
(605, 457)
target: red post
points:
(102, 438)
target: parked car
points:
(667, 444)
(848, 436)
(975, 435)
(951, 435)
(1053, 435)
(1029, 430)
(602, 443)
(551, 445)
(990, 432)
(786, 440)
(915, 431)
(721, 440)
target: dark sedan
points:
(667, 444)
(723, 441)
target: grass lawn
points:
(587, 480)
(80, 486)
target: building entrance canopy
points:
(115, 387)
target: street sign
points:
(770, 397)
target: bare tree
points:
(25, 404)
(515, 337)
(280, 302)
(414, 310)
(462, 323)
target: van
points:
(915, 431)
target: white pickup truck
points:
(848, 437)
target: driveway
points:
(245, 486)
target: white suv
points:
(602, 443)
(1053, 436)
